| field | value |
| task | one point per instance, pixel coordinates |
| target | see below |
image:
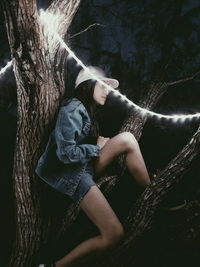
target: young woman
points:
(76, 153)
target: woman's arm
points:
(68, 126)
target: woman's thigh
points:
(114, 147)
(99, 211)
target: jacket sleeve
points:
(68, 126)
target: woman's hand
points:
(101, 141)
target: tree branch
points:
(141, 217)
(184, 80)
(85, 30)
(142, 214)
(64, 10)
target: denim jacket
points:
(66, 156)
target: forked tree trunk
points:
(40, 85)
(38, 67)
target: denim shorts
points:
(86, 182)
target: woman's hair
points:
(84, 92)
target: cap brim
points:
(112, 82)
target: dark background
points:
(136, 42)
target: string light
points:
(4, 69)
(47, 20)
(51, 23)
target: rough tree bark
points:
(141, 215)
(38, 67)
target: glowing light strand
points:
(46, 18)
(142, 111)
(49, 21)
(4, 69)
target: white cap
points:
(98, 73)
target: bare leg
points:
(124, 143)
(136, 166)
(95, 205)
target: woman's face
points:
(100, 93)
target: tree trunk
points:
(40, 85)
(38, 66)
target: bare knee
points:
(128, 141)
(114, 234)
